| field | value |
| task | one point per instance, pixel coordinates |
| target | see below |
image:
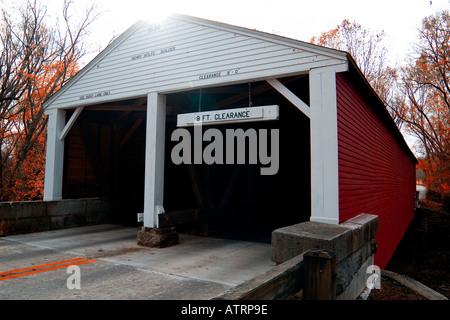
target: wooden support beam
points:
(320, 275)
(130, 132)
(70, 123)
(255, 91)
(141, 102)
(124, 114)
(296, 101)
(116, 107)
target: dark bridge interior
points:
(105, 156)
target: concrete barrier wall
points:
(33, 216)
(353, 242)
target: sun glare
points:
(154, 12)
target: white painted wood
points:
(55, 156)
(324, 147)
(194, 82)
(262, 35)
(70, 123)
(154, 159)
(91, 65)
(341, 67)
(180, 53)
(296, 101)
(169, 65)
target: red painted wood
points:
(376, 176)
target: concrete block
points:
(364, 220)
(364, 227)
(157, 237)
(32, 216)
(20, 210)
(291, 241)
(6, 212)
(353, 242)
(56, 223)
(30, 225)
(347, 268)
(6, 227)
(67, 221)
(66, 207)
(357, 283)
(358, 238)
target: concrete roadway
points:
(198, 268)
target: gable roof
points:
(184, 52)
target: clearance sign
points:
(263, 113)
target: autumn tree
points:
(423, 103)
(370, 54)
(37, 57)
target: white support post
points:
(55, 155)
(154, 159)
(324, 147)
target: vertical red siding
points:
(376, 176)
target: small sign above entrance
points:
(263, 113)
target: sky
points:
(297, 19)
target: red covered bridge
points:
(340, 153)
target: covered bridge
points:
(110, 133)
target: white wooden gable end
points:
(182, 53)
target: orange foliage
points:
(23, 179)
(37, 58)
(331, 39)
(437, 175)
(426, 111)
(29, 181)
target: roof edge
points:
(115, 43)
(334, 53)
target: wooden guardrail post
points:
(320, 275)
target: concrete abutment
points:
(36, 216)
(352, 241)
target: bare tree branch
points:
(37, 58)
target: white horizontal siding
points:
(196, 50)
(108, 72)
